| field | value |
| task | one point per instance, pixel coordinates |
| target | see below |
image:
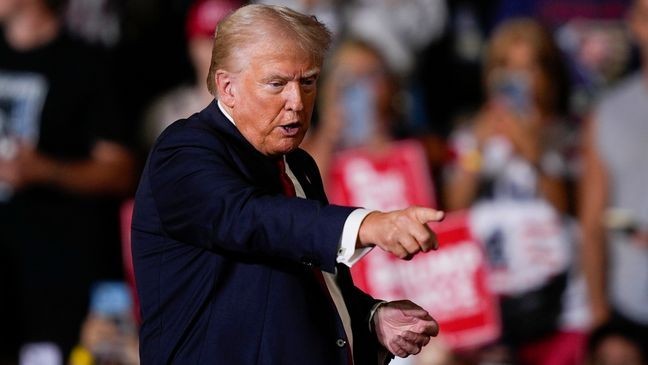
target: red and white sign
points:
(392, 179)
(450, 283)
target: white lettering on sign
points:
(445, 282)
(381, 190)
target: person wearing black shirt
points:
(64, 165)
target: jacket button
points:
(340, 342)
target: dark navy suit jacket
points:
(224, 261)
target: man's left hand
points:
(403, 327)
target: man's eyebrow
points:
(310, 73)
(284, 77)
(275, 77)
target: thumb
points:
(416, 311)
(424, 215)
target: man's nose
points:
(293, 94)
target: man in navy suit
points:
(239, 258)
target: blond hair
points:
(546, 53)
(250, 23)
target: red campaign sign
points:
(458, 293)
(450, 283)
(392, 179)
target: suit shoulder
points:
(192, 131)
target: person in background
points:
(510, 169)
(358, 104)
(239, 258)
(614, 204)
(520, 117)
(64, 164)
(591, 35)
(183, 101)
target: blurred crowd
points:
(533, 116)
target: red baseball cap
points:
(204, 15)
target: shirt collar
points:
(227, 115)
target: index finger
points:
(425, 215)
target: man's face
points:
(274, 95)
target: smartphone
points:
(112, 300)
(358, 100)
(514, 89)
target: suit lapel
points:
(307, 174)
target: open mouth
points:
(291, 129)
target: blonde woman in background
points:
(511, 169)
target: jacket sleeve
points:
(204, 200)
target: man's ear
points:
(225, 88)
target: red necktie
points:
(289, 190)
(288, 186)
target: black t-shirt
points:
(60, 98)
(69, 94)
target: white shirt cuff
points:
(372, 312)
(347, 252)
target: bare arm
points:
(554, 190)
(461, 188)
(109, 170)
(463, 178)
(593, 200)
